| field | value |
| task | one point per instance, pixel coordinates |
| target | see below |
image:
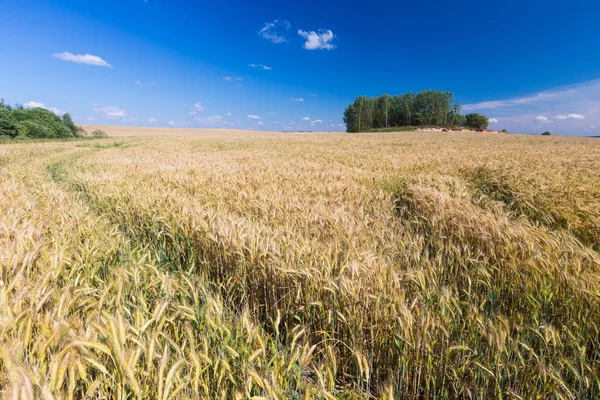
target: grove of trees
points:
(426, 108)
(18, 121)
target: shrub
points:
(504, 131)
(546, 133)
(81, 132)
(8, 125)
(34, 129)
(36, 123)
(68, 122)
(53, 123)
(476, 121)
(99, 134)
(23, 131)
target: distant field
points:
(122, 131)
(185, 264)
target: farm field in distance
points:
(180, 264)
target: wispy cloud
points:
(172, 124)
(320, 40)
(569, 108)
(493, 120)
(152, 120)
(140, 83)
(210, 120)
(82, 59)
(318, 121)
(265, 67)
(273, 31)
(252, 116)
(569, 116)
(230, 79)
(298, 100)
(306, 119)
(35, 104)
(110, 111)
(543, 119)
(197, 107)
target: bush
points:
(476, 121)
(34, 129)
(41, 116)
(99, 134)
(23, 131)
(81, 132)
(36, 123)
(8, 125)
(546, 133)
(504, 131)
(67, 121)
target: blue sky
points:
(530, 65)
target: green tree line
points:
(426, 108)
(18, 121)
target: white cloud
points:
(35, 104)
(140, 83)
(592, 127)
(198, 107)
(230, 79)
(341, 125)
(543, 120)
(260, 123)
(110, 111)
(82, 59)
(299, 99)
(317, 121)
(210, 120)
(252, 116)
(172, 123)
(229, 113)
(265, 67)
(272, 113)
(512, 102)
(570, 108)
(152, 120)
(493, 120)
(569, 116)
(317, 40)
(306, 119)
(271, 31)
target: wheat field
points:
(409, 265)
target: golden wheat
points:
(416, 265)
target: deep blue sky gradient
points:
(181, 50)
